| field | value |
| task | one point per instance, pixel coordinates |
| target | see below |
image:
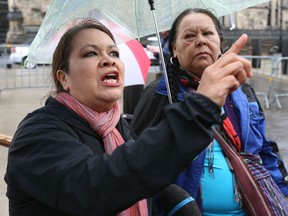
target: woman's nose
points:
(107, 61)
(201, 40)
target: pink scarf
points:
(104, 124)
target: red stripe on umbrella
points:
(141, 56)
(136, 62)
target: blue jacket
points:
(253, 132)
(247, 116)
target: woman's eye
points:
(115, 54)
(91, 54)
(189, 36)
(208, 33)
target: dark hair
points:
(63, 50)
(179, 18)
(174, 69)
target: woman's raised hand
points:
(226, 74)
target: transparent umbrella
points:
(126, 19)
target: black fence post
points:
(284, 54)
(256, 51)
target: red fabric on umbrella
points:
(136, 62)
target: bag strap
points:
(230, 132)
(252, 195)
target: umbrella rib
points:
(55, 20)
(209, 8)
(137, 16)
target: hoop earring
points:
(171, 60)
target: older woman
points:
(76, 155)
(195, 44)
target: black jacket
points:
(57, 164)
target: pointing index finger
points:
(238, 45)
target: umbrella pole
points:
(151, 2)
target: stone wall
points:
(34, 11)
(246, 19)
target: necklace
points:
(210, 152)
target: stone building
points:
(25, 18)
(266, 24)
(3, 20)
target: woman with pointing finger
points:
(77, 156)
(195, 44)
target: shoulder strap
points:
(252, 194)
(251, 95)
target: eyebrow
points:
(97, 47)
(196, 27)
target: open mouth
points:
(110, 78)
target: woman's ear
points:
(62, 78)
(174, 50)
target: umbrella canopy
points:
(125, 18)
(136, 62)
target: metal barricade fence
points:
(262, 69)
(280, 81)
(268, 79)
(5, 51)
(16, 77)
